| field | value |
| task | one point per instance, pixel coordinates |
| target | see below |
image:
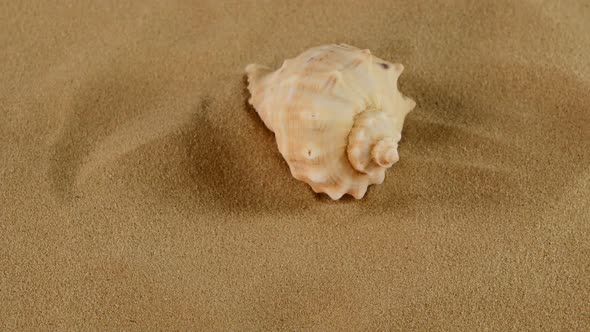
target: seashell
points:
(337, 116)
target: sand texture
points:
(139, 191)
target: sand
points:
(140, 192)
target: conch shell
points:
(337, 116)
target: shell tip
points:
(411, 104)
(335, 195)
(256, 71)
(360, 192)
(251, 68)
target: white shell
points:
(337, 115)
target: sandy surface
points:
(139, 191)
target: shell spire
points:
(337, 115)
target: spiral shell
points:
(337, 116)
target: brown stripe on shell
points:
(355, 63)
(326, 62)
(331, 82)
(317, 88)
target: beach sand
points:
(139, 190)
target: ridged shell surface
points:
(336, 113)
